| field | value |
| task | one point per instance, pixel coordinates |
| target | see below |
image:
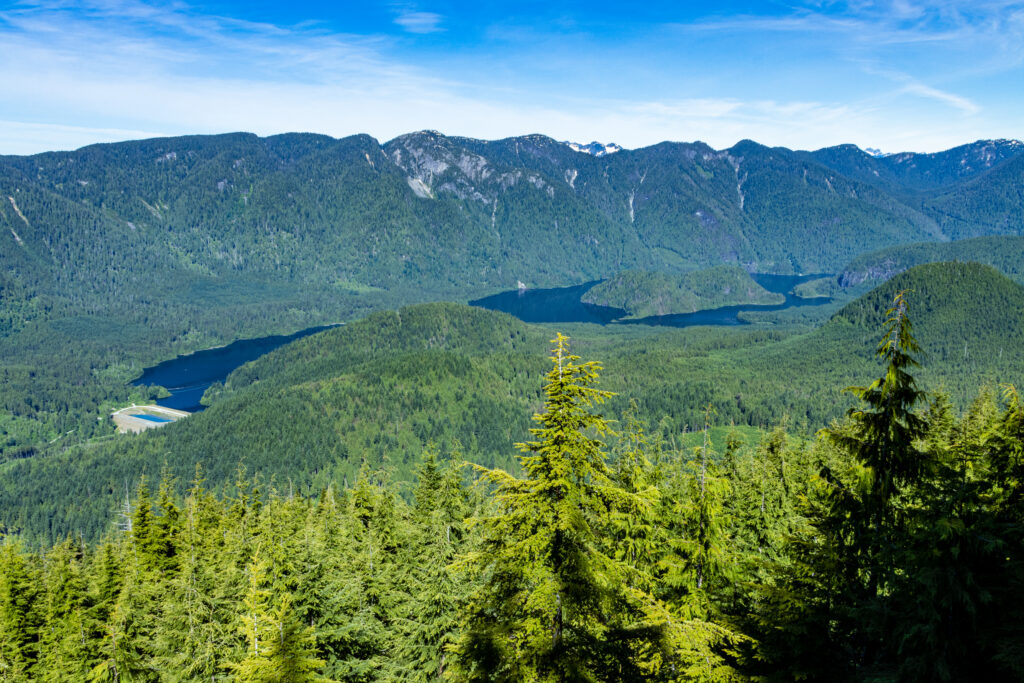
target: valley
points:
(511, 342)
(133, 253)
(289, 311)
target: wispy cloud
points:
(419, 22)
(997, 23)
(911, 86)
(956, 101)
(99, 70)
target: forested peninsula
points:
(643, 294)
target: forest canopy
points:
(888, 547)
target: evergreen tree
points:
(166, 527)
(64, 640)
(428, 622)
(197, 633)
(883, 436)
(832, 607)
(635, 537)
(695, 565)
(553, 605)
(19, 614)
(279, 649)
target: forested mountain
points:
(117, 256)
(1004, 253)
(907, 172)
(990, 204)
(377, 391)
(351, 212)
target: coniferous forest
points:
(331, 351)
(420, 494)
(887, 546)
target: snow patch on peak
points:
(595, 148)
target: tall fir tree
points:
(19, 613)
(278, 648)
(553, 605)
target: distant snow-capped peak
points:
(875, 152)
(595, 148)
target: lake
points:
(563, 305)
(188, 377)
(557, 305)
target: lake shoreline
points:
(188, 376)
(564, 305)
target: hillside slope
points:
(314, 210)
(1005, 253)
(909, 173)
(376, 391)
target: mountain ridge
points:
(137, 251)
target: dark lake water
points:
(188, 377)
(563, 305)
(559, 305)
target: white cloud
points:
(122, 69)
(991, 24)
(419, 22)
(955, 101)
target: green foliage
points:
(644, 294)
(883, 435)
(888, 548)
(279, 649)
(820, 287)
(989, 204)
(1004, 252)
(19, 614)
(553, 606)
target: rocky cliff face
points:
(437, 165)
(879, 272)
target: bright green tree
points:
(883, 436)
(428, 619)
(19, 614)
(554, 606)
(64, 642)
(278, 648)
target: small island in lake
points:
(644, 293)
(823, 287)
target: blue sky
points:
(896, 75)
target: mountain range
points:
(117, 256)
(354, 213)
